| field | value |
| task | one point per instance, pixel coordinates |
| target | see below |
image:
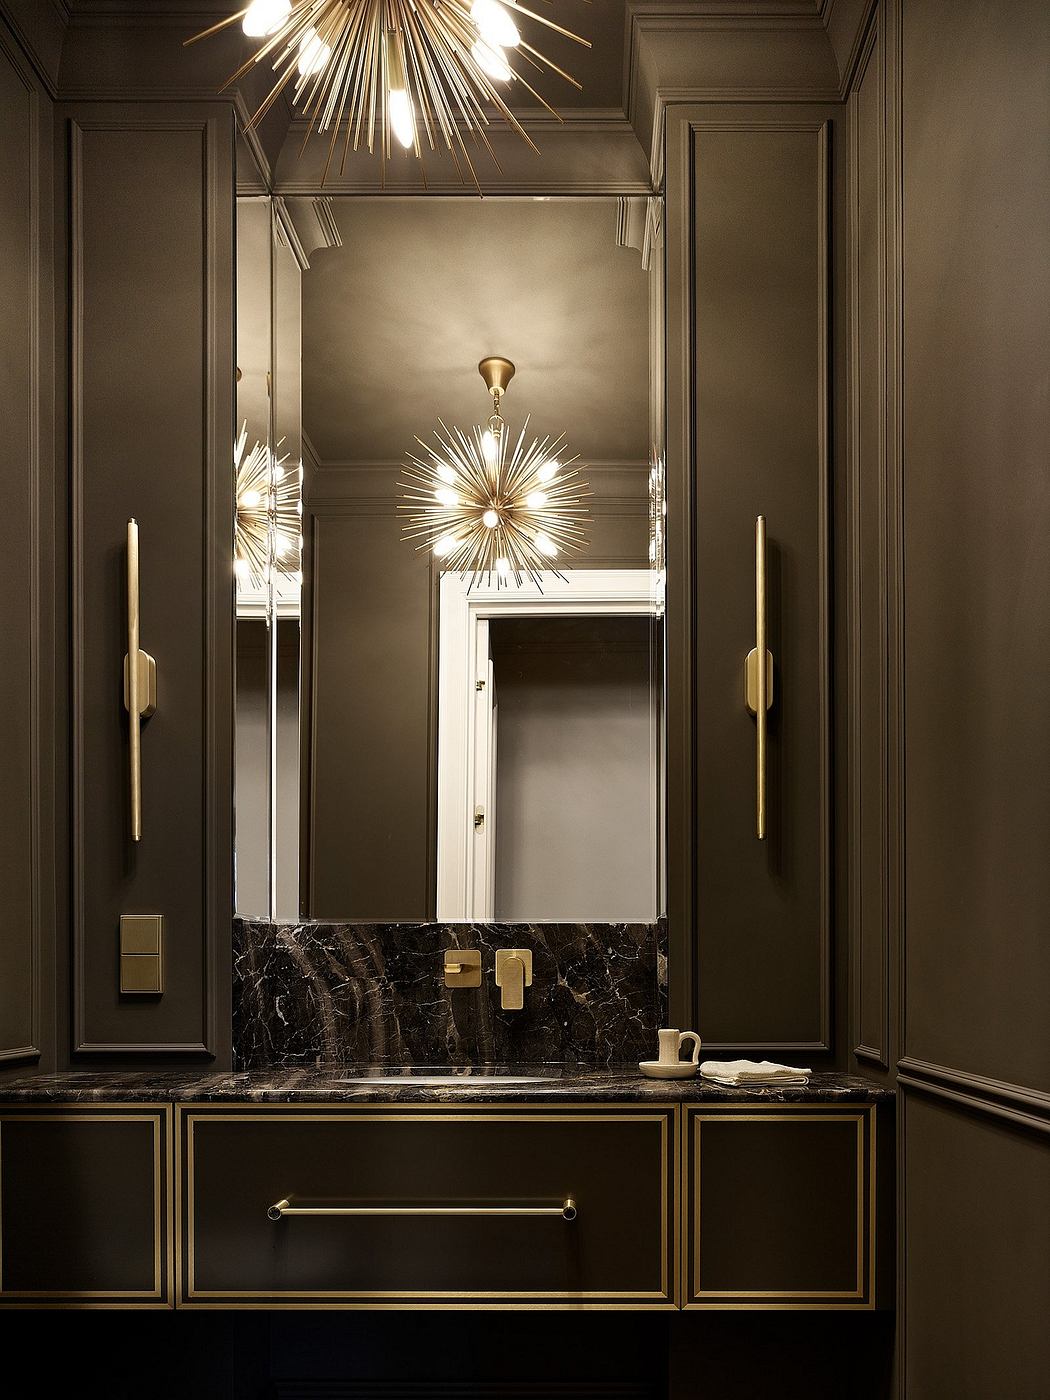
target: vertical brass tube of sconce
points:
(758, 679)
(760, 696)
(140, 683)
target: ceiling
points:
(599, 68)
(395, 321)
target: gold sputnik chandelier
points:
(487, 504)
(268, 514)
(435, 68)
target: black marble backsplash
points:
(340, 994)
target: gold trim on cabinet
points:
(863, 1120)
(666, 1115)
(163, 1207)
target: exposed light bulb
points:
(444, 546)
(491, 519)
(446, 473)
(314, 53)
(446, 497)
(546, 545)
(503, 566)
(250, 499)
(536, 500)
(549, 470)
(402, 124)
(265, 17)
(490, 447)
(491, 59)
(494, 23)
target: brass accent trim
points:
(163, 1204)
(664, 1114)
(863, 1120)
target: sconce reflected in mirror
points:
(491, 507)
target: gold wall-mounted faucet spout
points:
(513, 975)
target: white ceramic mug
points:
(671, 1045)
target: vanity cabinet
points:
(86, 1206)
(728, 1205)
(779, 1206)
(390, 1187)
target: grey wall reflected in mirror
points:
(344, 773)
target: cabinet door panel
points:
(84, 1207)
(780, 1207)
(617, 1167)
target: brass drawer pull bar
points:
(567, 1210)
(758, 679)
(140, 683)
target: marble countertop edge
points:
(517, 1084)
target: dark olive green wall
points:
(27, 565)
(950, 630)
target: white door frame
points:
(462, 891)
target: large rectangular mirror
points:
(450, 572)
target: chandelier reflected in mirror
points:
(430, 73)
(488, 505)
(268, 519)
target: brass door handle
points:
(758, 678)
(279, 1209)
(140, 683)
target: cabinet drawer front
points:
(617, 1168)
(85, 1207)
(780, 1207)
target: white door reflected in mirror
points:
(548, 746)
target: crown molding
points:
(726, 51)
(39, 29)
(305, 224)
(616, 487)
(593, 152)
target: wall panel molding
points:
(869, 591)
(181, 476)
(1028, 1108)
(27, 758)
(785, 903)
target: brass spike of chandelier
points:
(434, 67)
(486, 504)
(268, 520)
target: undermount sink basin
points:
(426, 1074)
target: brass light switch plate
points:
(141, 954)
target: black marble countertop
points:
(455, 1085)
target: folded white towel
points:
(742, 1072)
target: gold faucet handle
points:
(513, 975)
(462, 967)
